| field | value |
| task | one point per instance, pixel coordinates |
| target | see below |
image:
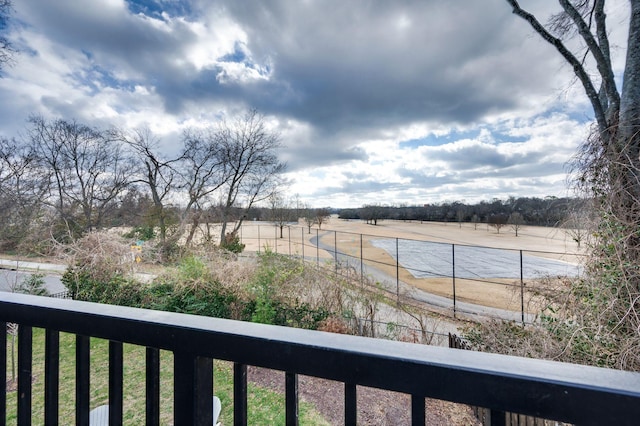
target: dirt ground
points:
(375, 406)
(505, 293)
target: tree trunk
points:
(628, 140)
(195, 222)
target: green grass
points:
(265, 406)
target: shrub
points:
(276, 289)
(232, 243)
(144, 233)
(100, 256)
(33, 284)
(192, 289)
(115, 291)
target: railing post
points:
(152, 386)
(239, 394)
(51, 376)
(25, 361)
(418, 412)
(350, 404)
(204, 391)
(82, 379)
(193, 389)
(115, 382)
(497, 418)
(291, 397)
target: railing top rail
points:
(546, 389)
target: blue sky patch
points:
(154, 8)
(433, 140)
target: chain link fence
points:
(462, 279)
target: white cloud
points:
(378, 102)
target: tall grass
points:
(264, 406)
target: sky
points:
(375, 102)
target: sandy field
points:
(355, 239)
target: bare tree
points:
(475, 219)
(89, 171)
(158, 174)
(280, 211)
(372, 213)
(578, 224)
(609, 171)
(516, 221)
(308, 217)
(249, 151)
(322, 216)
(460, 215)
(203, 171)
(6, 48)
(610, 163)
(298, 206)
(22, 187)
(497, 221)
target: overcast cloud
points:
(376, 102)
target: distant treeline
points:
(548, 211)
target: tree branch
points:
(603, 60)
(578, 69)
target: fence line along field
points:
(488, 268)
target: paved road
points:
(13, 272)
(10, 279)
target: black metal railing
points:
(563, 392)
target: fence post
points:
(397, 272)
(289, 236)
(335, 249)
(317, 247)
(361, 261)
(521, 288)
(302, 242)
(258, 239)
(275, 237)
(453, 276)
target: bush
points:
(115, 291)
(33, 284)
(232, 243)
(276, 294)
(192, 289)
(99, 256)
(272, 296)
(144, 233)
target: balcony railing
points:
(558, 391)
